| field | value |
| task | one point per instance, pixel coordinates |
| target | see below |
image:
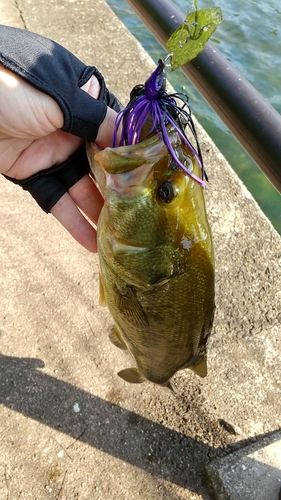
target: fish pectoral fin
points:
(102, 300)
(115, 338)
(131, 375)
(128, 304)
(200, 368)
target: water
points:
(250, 37)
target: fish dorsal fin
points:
(129, 306)
(200, 368)
(131, 375)
(116, 339)
(102, 299)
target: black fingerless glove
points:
(49, 185)
(52, 69)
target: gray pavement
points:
(70, 427)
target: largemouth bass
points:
(156, 255)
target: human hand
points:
(31, 141)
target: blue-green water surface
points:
(250, 37)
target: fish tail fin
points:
(172, 387)
(131, 375)
(200, 368)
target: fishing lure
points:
(151, 104)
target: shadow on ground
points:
(154, 448)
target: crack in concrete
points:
(20, 14)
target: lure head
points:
(155, 85)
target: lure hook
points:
(168, 57)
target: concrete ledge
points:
(251, 473)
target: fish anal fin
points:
(129, 306)
(102, 299)
(131, 375)
(116, 339)
(200, 368)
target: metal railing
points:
(248, 116)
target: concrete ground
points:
(70, 427)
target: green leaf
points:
(191, 36)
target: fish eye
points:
(166, 192)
